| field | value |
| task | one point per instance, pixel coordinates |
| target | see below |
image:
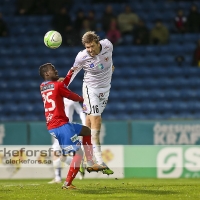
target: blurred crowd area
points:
(116, 20)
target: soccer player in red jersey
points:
(58, 123)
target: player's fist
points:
(70, 72)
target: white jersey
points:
(98, 69)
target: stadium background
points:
(153, 100)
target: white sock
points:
(57, 169)
(57, 172)
(96, 145)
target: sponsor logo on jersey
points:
(92, 65)
(74, 138)
(100, 66)
(106, 59)
(101, 94)
(106, 47)
(47, 87)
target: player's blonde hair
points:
(89, 37)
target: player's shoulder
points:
(106, 44)
(82, 55)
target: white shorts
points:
(95, 99)
(56, 146)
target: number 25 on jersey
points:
(47, 99)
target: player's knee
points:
(85, 131)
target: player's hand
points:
(60, 79)
(74, 68)
(70, 72)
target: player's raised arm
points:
(68, 77)
(77, 66)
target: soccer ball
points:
(52, 39)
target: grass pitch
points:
(100, 189)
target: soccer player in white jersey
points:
(70, 106)
(96, 61)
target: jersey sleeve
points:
(65, 92)
(68, 77)
(109, 44)
(77, 66)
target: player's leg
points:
(95, 102)
(88, 149)
(95, 131)
(95, 125)
(103, 99)
(93, 118)
(73, 169)
(79, 111)
(56, 162)
(67, 136)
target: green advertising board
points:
(115, 132)
(112, 133)
(185, 132)
(13, 133)
(39, 134)
(35, 133)
(181, 161)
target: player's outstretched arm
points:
(76, 71)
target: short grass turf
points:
(99, 189)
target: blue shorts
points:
(67, 136)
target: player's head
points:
(91, 42)
(48, 72)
